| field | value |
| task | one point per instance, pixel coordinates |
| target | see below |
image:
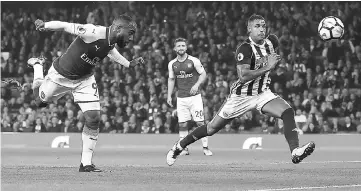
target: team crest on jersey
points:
(81, 29)
(240, 56)
(189, 65)
(225, 114)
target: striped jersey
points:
(186, 73)
(256, 56)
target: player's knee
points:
(183, 126)
(212, 129)
(92, 119)
(288, 113)
(199, 123)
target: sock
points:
(38, 72)
(89, 138)
(198, 133)
(289, 124)
(205, 141)
(182, 134)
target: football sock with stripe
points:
(192, 137)
(291, 135)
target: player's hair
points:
(119, 21)
(254, 17)
(179, 40)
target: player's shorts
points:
(189, 108)
(236, 105)
(85, 91)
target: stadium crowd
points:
(321, 80)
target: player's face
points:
(257, 29)
(124, 36)
(180, 48)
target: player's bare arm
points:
(245, 57)
(245, 74)
(201, 79)
(171, 83)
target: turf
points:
(146, 169)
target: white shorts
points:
(85, 91)
(189, 108)
(236, 105)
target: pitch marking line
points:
(319, 162)
(310, 188)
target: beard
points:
(181, 52)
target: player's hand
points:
(40, 25)
(194, 89)
(136, 61)
(169, 101)
(273, 59)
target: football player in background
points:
(189, 74)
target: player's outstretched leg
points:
(279, 108)
(37, 64)
(202, 131)
(89, 137)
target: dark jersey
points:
(90, 46)
(256, 56)
(186, 74)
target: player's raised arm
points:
(88, 32)
(244, 56)
(171, 83)
(202, 77)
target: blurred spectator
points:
(348, 126)
(319, 79)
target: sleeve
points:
(170, 70)
(116, 56)
(274, 39)
(88, 32)
(244, 54)
(198, 66)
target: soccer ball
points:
(330, 28)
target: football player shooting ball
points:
(73, 72)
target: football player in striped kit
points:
(256, 57)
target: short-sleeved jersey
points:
(256, 56)
(186, 74)
(90, 46)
